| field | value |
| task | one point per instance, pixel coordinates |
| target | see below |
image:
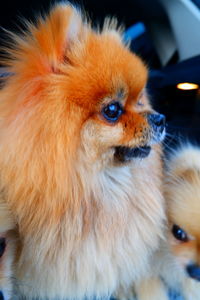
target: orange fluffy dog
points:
(75, 123)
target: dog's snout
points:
(193, 271)
(157, 120)
(1, 296)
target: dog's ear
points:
(45, 45)
(58, 32)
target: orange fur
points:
(87, 224)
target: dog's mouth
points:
(126, 154)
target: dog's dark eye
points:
(2, 246)
(112, 111)
(179, 233)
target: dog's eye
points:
(2, 246)
(179, 233)
(112, 111)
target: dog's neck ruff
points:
(101, 237)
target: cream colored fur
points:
(124, 233)
(182, 192)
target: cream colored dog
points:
(177, 264)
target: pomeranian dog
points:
(80, 158)
(177, 265)
(8, 242)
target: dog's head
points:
(183, 200)
(81, 88)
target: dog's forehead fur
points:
(185, 205)
(73, 59)
(184, 193)
(115, 69)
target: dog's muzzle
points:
(126, 154)
(193, 271)
(1, 296)
(157, 125)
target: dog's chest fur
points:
(106, 246)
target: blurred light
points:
(187, 86)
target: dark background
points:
(127, 11)
(12, 11)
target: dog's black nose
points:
(157, 120)
(193, 271)
(1, 296)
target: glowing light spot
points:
(187, 86)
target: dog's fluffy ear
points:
(57, 32)
(45, 45)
